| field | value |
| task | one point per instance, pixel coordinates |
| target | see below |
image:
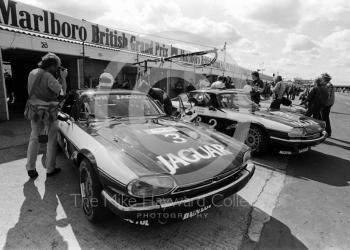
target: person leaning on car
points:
(316, 99)
(329, 103)
(278, 91)
(156, 94)
(43, 89)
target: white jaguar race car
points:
(143, 165)
(233, 113)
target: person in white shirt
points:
(247, 87)
(219, 84)
(204, 84)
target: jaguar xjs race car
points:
(264, 104)
(143, 165)
(233, 113)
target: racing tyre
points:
(256, 139)
(90, 189)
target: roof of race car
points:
(219, 91)
(112, 91)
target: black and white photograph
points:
(197, 124)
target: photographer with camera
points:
(45, 85)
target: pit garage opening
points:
(17, 63)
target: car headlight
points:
(151, 186)
(296, 132)
(246, 157)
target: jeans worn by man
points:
(33, 147)
(44, 89)
(326, 78)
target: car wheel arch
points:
(85, 153)
(256, 124)
(262, 127)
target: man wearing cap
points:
(326, 79)
(43, 90)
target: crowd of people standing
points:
(320, 99)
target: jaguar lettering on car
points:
(185, 157)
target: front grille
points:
(208, 185)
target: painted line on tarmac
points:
(268, 183)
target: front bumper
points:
(178, 209)
(294, 145)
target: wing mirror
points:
(85, 116)
(62, 117)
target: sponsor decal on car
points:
(167, 132)
(162, 130)
(195, 212)
(200, 110)
(185, 157)
(288, 152)
(138, 222)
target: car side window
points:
(213, 101)
(82, 109)
(200, 99)
(76, 109)
(68, 104)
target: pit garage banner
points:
(26, 17)
(30, 18)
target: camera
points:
(59, 69)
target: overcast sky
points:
(293, 37)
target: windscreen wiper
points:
(115, 117)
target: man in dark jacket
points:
(156, 94)
(316, 100)
(329, 103)
(258, 86)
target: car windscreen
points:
(235, 100)
(102, 106)
(183, 97)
